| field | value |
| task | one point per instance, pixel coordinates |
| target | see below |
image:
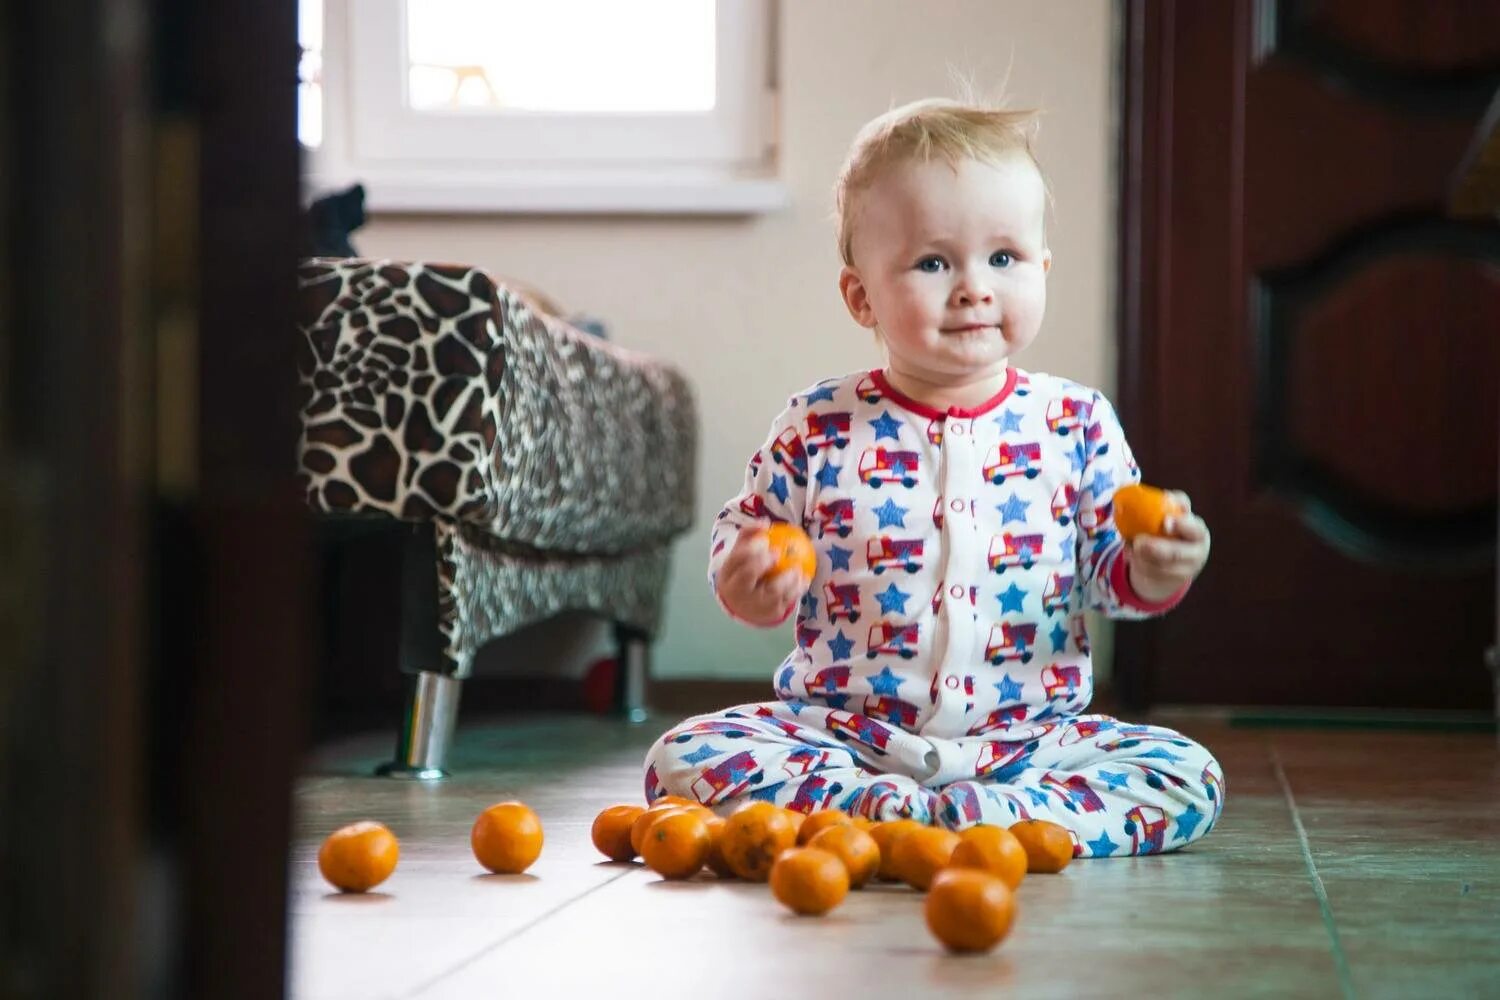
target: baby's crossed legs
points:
(1119, 788)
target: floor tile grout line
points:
(508, 938)
(1340, 960)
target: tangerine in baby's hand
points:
(1142, 510)
(792, 549)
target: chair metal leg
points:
(630, 680)
(427, 730)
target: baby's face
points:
(950, 265)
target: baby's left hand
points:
(1161, 565)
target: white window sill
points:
(560, 192)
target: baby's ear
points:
(1046, 261)
(852, 288)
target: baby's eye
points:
(931, 265)
(1001, 258)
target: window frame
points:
(720, 162)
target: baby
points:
(960, 508)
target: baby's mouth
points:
(972, 328)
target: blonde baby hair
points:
(917, 132)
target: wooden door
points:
(1311, 344)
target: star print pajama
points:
(941, 669)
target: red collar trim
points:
(933, 413)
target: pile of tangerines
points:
(810, 860)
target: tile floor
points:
(1348, 863)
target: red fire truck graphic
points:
(829, 680)
(1094, 441)
(847, 726)
(787, 452)
(826, 430)
(754, 506)
(1065, 503)
(996, 755)
(872, 799)
(1065, 414)
(804, 759)
(892, 710)
(790, 728)
(728, 730)
(1147, 826)
(888, 637)
(877, 466)
(807, 635)
(1006, 460)
(1131, 737)
(1010, 642)
(1055, 595)
(1075, 792)
(1079, 631)
(836, 516)
(1058, 680)
(654, 790)
(727, 778)
(813, 793)
(1014, 550)
(961, 805)
(937, 597)
(1077, 732)
(842, 600)
(935, 430)
(894, 553)
(868, 391)
(998, 719)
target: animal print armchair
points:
(532, 467)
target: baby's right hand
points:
(749, 588)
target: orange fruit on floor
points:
(611, 832)
(358, 857)
(715, 860)
(792, 549)
(969, 910)
(993, 849)
(671, 800)
(652, 814)
(506, 838)
(921, 854)
(1141, 510)
(677, 845)
(797, 819)
(885, 836)
(753, 836)
(820, 821)
(1048, 846)
(854, 847)
(862, 822)
(809, 881)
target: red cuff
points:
(1119, 578)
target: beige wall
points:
(749, 308)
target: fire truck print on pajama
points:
(940, 667)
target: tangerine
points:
(611, 832)
(921, 854)
(854, 847)
(677, 845)
(358, 857)
(993, 849)
(885, 836)
(1142, 510)
(1048, 846)
(651, 814)
(715, 860)
(792, 549)
(753, 836)
(969, 910)
(671, 800)
(506, 838)
(809, 881)
(820, 821)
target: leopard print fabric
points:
(556, 467)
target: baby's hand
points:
(1161, 565)
(750, 589)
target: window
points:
(521, 106)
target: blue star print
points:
(1038, 797)
(784, 682)
(821, 392)
(767, 793)
(1077, 458)
(1113, 780)
(892, 514)
(1013, 509)
(1059, 637)
(840, 646)
(1188, 821)
(1008, 421)
(839, 558)
(892, 600)
(886, 682)
(886, 426)
(1103, 847)
(698, 756)
(828, 475)
(1103, 480)
(1009, 689)
(1012, 598)
(778, 487)
(1162, 754)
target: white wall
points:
(749, 308)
